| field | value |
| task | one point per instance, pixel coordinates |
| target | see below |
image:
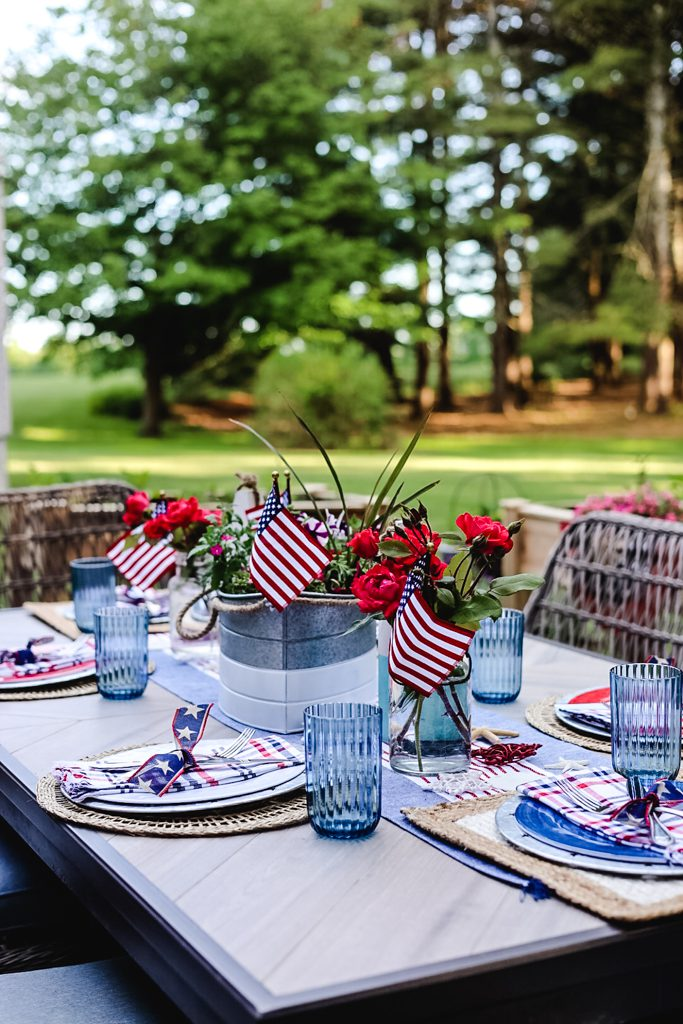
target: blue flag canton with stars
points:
(414, 582)
(159, 772)
(271, 508)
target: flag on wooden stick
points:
(424, 649)
(285, 557)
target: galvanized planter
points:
(273, 664)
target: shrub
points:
(342, 394)
(124, 400)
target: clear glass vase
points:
(182, 589)
(432, 735)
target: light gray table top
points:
(288, 917)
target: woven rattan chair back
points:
(43, 528)
(614, 586)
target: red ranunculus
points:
(365, 544)
(497, 536)
(157, 528)
(379, 590)
(137, 504)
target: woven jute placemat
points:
(78, 688)
(278, 812)
(53, 615)
(471, 826)
(542, 716)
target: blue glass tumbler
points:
(93, 585)
(645, 703)
(121, 651)
(343, 746)
(496, 654)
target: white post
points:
(5, 410)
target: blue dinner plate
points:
(553, 829)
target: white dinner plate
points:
(279, 788)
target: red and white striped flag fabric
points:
(142, 564)
(285, 557)
(424, 649)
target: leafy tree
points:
(195, 177)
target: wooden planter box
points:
(542, 528)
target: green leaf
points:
(506, 585)
(458, 567)
(445, 596)
(456, 535)
(328, 462)
(391, 479)
(394, 549)
(366, 518)
(478, 608)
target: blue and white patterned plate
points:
(530, 826)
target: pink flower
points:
(216, 550)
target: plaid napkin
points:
(630, 827)
(81, 781)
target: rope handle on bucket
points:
(205, 630)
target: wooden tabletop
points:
(292, 925)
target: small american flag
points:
(142, 564)
(424, 649)
(285, 556)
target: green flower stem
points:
(418, 748)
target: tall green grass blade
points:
(280, 456)
(328, 462)
(391, 480)
(366, 519)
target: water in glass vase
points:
(432, 735)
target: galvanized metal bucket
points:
(273, 664)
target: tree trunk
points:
(677, 255)
(421, 371)
(501, 311)
(5, 409)
(444, 396)
(380, 343)
(519, 367)
(152, 406)
(653, 219)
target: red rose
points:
(497, 536)
(208, 515)
(365, 544)
(182, 512)
(415, 543)
(137, 504)
(437, 568)
(157, 528)
(379, 590)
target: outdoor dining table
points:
(291, 926)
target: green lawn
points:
(57, 438)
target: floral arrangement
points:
(643, 501)
(182, 518)
(463, 592)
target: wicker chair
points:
(614, 586)
(43, 528)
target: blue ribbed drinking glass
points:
(121, 651)
(343, 747)
(645, 703)
(93, 585)
(496, 654)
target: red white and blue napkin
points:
(146, 774)
(619, 818)
(44, 661)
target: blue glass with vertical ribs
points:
(645, 705)
(343, 745)
(93, 586)
(121, 651)
(496, 654)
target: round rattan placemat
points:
(75, 689)
(278, 812)
(542, 716)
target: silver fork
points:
(238, 744)
(576, 794)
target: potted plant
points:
(274, 660)
(434, 609)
